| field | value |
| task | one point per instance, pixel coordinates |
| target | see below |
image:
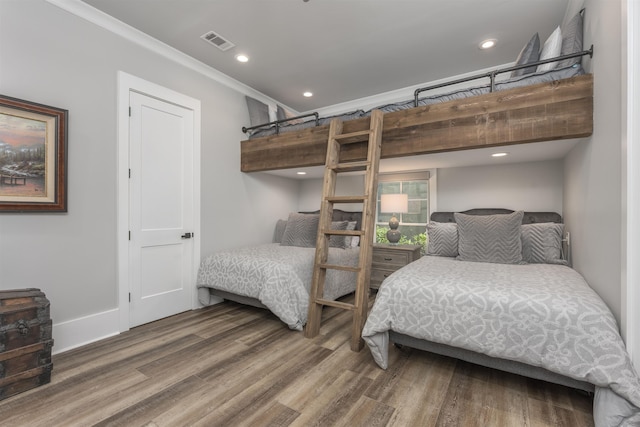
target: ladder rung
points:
(339, 267)
(370, 139)
(350, 138)
(352, 166)
(346, 199)
(344, 232)
(338, 304)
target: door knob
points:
(187, 235)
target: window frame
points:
(423, 175)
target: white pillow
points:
(552, 48)
(273, 113)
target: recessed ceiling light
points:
(499, 154)
(242, 58)
(307, 94)
(301, 173)
(487, 44)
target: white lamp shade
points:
(394, 203)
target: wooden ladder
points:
(333, 167)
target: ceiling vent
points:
(217, 40)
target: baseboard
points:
(85, 330)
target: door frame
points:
(631, 179)
(128, 83)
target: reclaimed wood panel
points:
(556, 110)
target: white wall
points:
(535, 186)
(310, 193)
(53, 57)
(592, 197)
(631, 188)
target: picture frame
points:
(33, 157)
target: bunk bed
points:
(494, 290)
(552, 104)
(541, 106)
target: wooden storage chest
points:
(25, 341)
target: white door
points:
(161, 221)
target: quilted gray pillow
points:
(279, 231)
(443, 239)
(339, 241)
(258, 111)
(542, 243)
(301, 230)
(351, 241)
(530, 53)
(490, 238)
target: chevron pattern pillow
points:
(490, 238)
(301, 230)
(443, 239)
(542, 243)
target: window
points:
(412, 224)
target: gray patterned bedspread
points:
(278, 276)
(539, 314)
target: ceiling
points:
(341, 50)
(344, 50)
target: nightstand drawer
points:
(389, 258)
(378, 276)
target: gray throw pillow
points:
(279, 231)
(529, 54)
(542, 243)
(351, 241)
(490, 238)
(258, 111)
(571, 40)
(282, 113)
(443, 239)
(301, 230)
(339, 241)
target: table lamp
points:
(394, 204)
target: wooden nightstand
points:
(389, 258)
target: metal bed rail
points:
(278, 122)
(492, 74)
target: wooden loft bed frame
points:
(560, 109)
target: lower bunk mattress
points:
(278, 276)
(542, 315)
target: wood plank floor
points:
(232, 365)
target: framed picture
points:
(33, 157)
